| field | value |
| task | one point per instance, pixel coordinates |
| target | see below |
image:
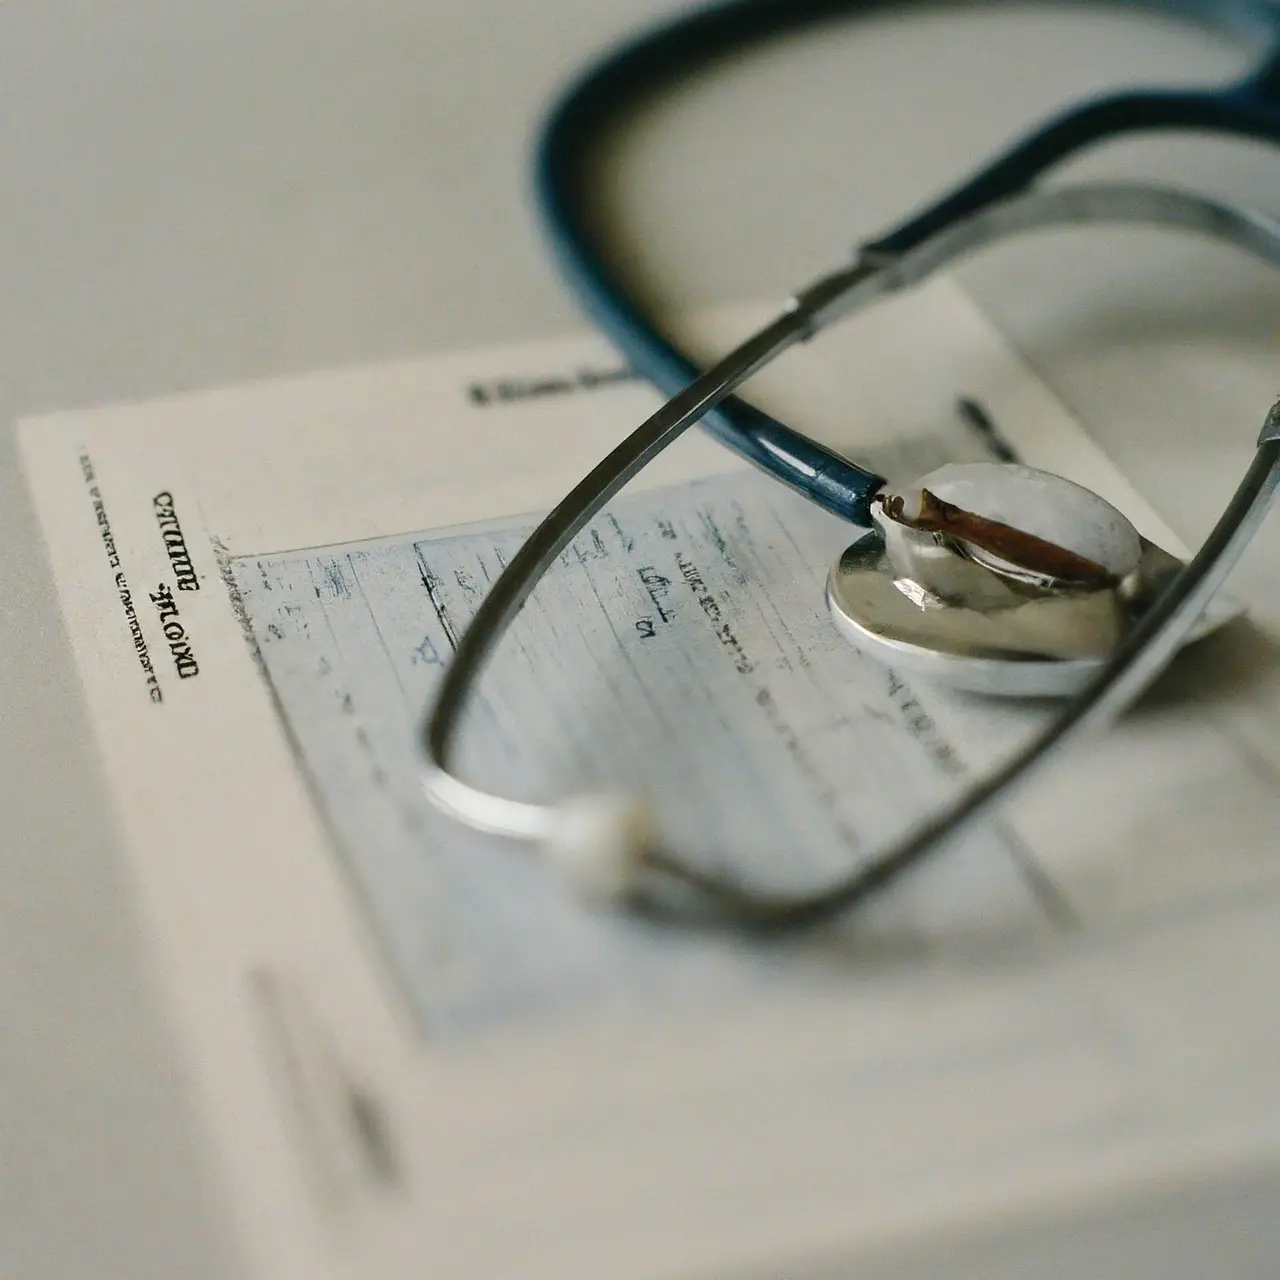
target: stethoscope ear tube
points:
(1139, 660)
(604, 842)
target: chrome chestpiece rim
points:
(999, 579)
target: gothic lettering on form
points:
(175, 544)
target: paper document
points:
(682, 646)
(415, 1051)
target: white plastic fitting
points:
(598, 842)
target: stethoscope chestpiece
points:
(999, 579)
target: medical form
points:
(682, 645)
(401, 1032)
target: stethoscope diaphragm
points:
(1000, 579)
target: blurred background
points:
(195, 194)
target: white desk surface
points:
(196, 194)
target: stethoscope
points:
(986, 576)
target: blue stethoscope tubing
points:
(1248, 108)
(604, 842)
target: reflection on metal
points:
(980, 630)
(1037, 559)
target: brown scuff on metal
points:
(1024, 550)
